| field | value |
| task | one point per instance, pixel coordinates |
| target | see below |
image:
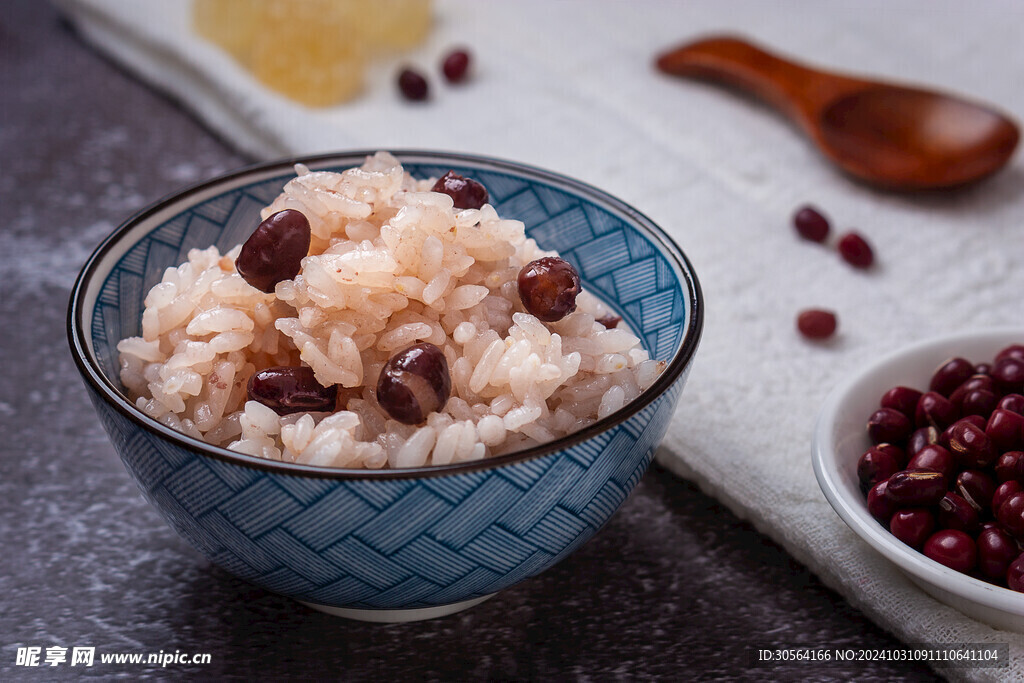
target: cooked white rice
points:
(390, 264)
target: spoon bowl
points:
(915, 138)
(894, 136)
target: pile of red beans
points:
(946, 471)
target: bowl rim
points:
(89, 368)
(825, 456)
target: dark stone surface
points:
(674, 586)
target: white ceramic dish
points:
(840, 438)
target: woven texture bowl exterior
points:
(391, 543)
(400, 539)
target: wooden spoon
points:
(898, 137)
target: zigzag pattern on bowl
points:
(394, 543)
(401, 542)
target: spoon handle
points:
(797, 91)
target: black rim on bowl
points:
(89, 367)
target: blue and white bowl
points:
(393, 545)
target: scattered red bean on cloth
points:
(455, 65)
(816, 323)
(855, 250)
(811, 224)
(413, 85)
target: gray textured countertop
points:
(673, 587)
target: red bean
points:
(976, 420)
(413, 85)
(455, 65)
(970, 384)
(1008, 372)
(465, 192)
(1005, 429)
(816, 323)
(957, 513)
(971, 446)
(912, 526)
(289, 389)
(935, 410)
(1010, 466)
(1011, 514)
(855, 250)
(888, 426)
(977, 488)
(979, 402)
(996, 550)
(951, 375)
(920, 438)
(1003, 492)
(414, 383)
(811, 224)
(879, 504)
(875, 465)
(274, 251)
(916, 488)
(903, 399)
(897, 453)
(936, 458)
(1012, 351)
(548, 288)
(952, 548)
(1012, 402)
(1015, 574)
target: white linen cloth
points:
(569, 85)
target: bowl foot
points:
(397, 616)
